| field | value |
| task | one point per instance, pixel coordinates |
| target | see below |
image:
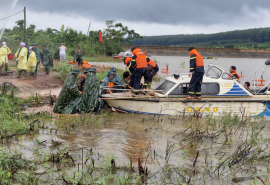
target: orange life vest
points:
(110, 85)
(151, 65)
(141, 61)
(234, 73)
(199, 58)
(84, 80)
(127, 59)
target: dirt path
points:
(43, 84)
(30, 86)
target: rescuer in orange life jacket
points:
(196, 73)
(233, 73)
(81, 81)
(139, 61)
(152, 69)
(131, 69)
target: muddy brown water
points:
(128, 136)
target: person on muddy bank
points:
(36, 50)
(46, 59)
(4, 52)
(62, 52)
(89, 99)
(78, 57)
(22, 61)
(196, 73)
(56, 54)
(32, 63)
(69, 95)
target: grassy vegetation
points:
(96, 58)
(13, 121)
(216, 149)
(63, 69)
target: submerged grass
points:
(215, 149)
(13, 121)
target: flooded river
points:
(175, 150)
(168, 146)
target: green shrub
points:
(63, 70)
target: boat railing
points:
(110, 90)
(256, 79)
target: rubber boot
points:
(19, 74)
(6, 68)
(24, 75)
(34, 75)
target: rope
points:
(11, 15)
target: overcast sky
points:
(146, 17)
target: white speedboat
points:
(220, 95)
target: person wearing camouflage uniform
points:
(89, 99)
(56, 55)
(69, 95)
(46, 59)
(78, 57)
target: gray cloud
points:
(200, 12)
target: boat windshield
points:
(213, 72)
(165, 86)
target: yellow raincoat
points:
(4, 55)
(17, 52)
(22, 62)
(32, 62)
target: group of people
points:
(60, 54)
(139, 65)
(27, 59)
(79, 94)
(196, 73)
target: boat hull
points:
(201, 108)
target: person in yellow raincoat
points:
(32, 62)
(22, 61)
(4, 51)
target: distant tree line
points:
(115, 36)
(258, 38)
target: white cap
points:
(31, 48)
(22, 44)
(4, 43)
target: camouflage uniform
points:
(47, 60)
(56, 55)
(78, 57)
(89, 99)
(68, 96)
